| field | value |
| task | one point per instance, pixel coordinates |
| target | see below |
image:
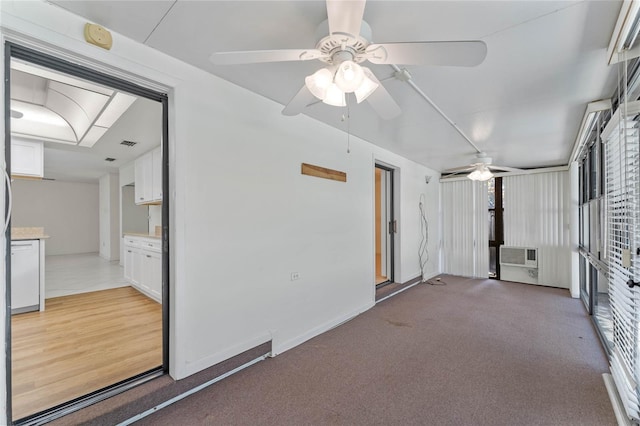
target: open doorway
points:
(496, 224)
(385, 225)
(88, 158)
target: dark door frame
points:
(391, 225)
(498, 223)
(13, 50)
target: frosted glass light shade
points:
(349, 76)
(367, 87)
(318, 82)
(481, 174)
(334, 96)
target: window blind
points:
(622, 196)
(536, 214)
(465, 228)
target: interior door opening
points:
(88, 158)
(385, 226)
(496, 224)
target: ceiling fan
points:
(344, 43)
(480, 170)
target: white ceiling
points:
(523, 105)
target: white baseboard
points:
(279, 347)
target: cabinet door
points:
(128, 263)
(27, 158)
(139, 177)
(145, 276)
(136, 268)
(156, 156)
(155, 275)
(144, 178)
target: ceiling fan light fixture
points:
(349, 76)
(334, 96)
(481, 173)
(367, 87)
(319, 82)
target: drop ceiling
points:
(80, 123)
(523, 105)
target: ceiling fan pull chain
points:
(348, 127)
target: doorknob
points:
(393, 227)
(631, 283)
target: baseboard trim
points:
(402, 287)
(277, 349)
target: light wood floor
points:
(82, 343)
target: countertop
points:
(140, 234)
(27, 233)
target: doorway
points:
(496, 225)
(73, 140)
(385, 225)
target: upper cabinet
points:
(27, 158)
(148, 177)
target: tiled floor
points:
(81, 273)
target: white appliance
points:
(519, 264)
(25, 276)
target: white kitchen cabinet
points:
(128, 263)
(27, 158)
(25, 276)
(136, 268)
(143, 265)
(148, 177)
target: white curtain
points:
(536, 214)
(465, 228)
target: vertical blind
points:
(622, 237)
(536, 214)
(465, 228)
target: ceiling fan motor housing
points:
(481, 158)
(339, 47)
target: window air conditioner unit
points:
(525, 257)
(519, 264)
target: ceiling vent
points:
(128, 143)
(109, 159)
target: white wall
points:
(155, 218)
(68, 211)
(135, 218)
(243, 217)
(109, 217)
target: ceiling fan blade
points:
(345, 16)
(295, 106)
(448, 53)
(504, 169)
(382, 102)
(255, 56)
(459, 169)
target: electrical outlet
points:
(295, 276)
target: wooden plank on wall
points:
(321, 172)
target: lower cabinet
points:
(143, 265)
